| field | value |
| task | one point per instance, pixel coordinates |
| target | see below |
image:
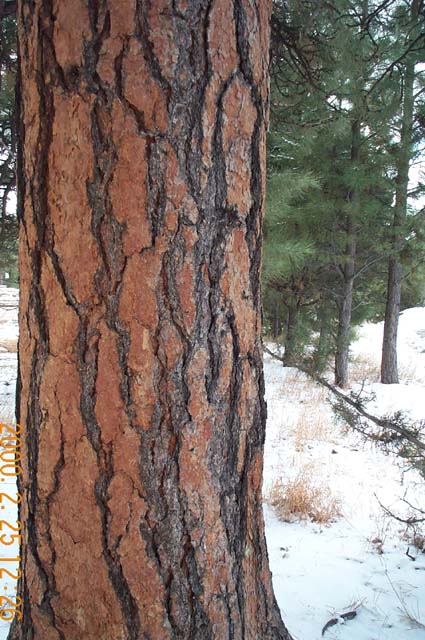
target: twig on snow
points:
(349, 615)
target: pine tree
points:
(412, 32)
(334, 104)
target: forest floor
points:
(356, 559)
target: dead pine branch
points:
(407, 521)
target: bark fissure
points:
(107, 233)
(38, 195)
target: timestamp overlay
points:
(10, 526)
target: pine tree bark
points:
(389, 364)
(141, 188)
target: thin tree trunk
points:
(348, 270)
(344, 319)
(344, 322)
(291, 334)
(141, 191)
(322, 349)
(389, 362)
(389, 365)
(276, 324)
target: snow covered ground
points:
(8, 364)
(357, 562)
(8, 343)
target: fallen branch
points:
(408, 521)
(384, 423)
(333, 621)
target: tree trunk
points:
(348, 271)
(291, 334)
(321, 352)
(389, 363)
(140, 364)
(353, 198)
(389, 366)
(276, 321)
(344, 320)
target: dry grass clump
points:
(308, 423)
(315, 394)
(310, 427)
(294, 384)
(304, 498)
(298, 386)
(407, 373)
(418, 540)
(362, 368)
(414, 535)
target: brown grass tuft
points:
(362, 368)
(310, 427)
(304, 498)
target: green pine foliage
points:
(332, 157)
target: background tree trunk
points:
(389, 366)
(322, 350)
(344, 319)
(353, 198)
(348, 271)
(389, 362)
(140, 377)
(291, 332)
(276, 320)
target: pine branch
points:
(408, 521)
(395, 63)
(383, 423)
